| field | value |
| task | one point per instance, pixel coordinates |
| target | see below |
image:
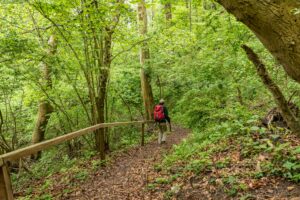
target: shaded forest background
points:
(72, 59)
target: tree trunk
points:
(147, 94)
(240, 96)
(102, 90)
(190, 14)
(276, 23)
(159, 84)
(144, 60)
(168, 12)
(100, 133)
(281, 102)
(45, 108)
(104, 55)
(107, 132)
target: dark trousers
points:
(168, 119)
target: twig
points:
(293, 94)
(135, 44)
(1, 121)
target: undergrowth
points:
(234, 139)
(39, 178)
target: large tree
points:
(94, 57)
(144, 60)
(277, 24)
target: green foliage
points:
(161, 181)
(197, 66)
(227, 124)
(281, 158)
(81, 175)
(231, 182)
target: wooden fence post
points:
(143, 135)
(6, 192)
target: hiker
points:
(161, 116)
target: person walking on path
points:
(161, 117)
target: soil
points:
(128, 175)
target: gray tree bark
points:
(276, 24)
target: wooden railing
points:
(6, 191)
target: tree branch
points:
(280, 100)
(135, 44)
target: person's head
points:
(161, 102)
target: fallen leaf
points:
(270, 191)
(290, 188)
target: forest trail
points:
(126, 177)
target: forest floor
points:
(130, 172)
(137, 174)
(124, 176)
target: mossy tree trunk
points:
(280, 100)
(45, 108)
(104, 64)
(144, 60)
(168, 11)
(101, 142)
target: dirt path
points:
(127, 176)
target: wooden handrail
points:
(6, 192)
(27, 151)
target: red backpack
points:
(159, 114)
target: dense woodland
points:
(227, 70)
